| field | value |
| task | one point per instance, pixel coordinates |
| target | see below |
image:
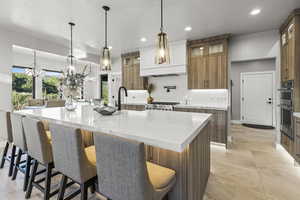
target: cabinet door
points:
(139, 83)
(127, 73)
(284, 48)
(197, 70)
(217, 67)
(291, 52)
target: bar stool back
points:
(123, 172)
(20, 142)
(40, 149)
(72, 159)
(6, 135)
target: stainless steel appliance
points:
(286, 108)
(167, 106)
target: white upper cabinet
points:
(177, 60)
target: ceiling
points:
(132, 19)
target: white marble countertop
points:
(296, 114)
(165, 129)
(200, 106)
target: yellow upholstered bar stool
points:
(6, 135)
(40, 150)
(73, 159)
(124, 174)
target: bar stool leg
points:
(62, 188)
(27, 172)
(83, 188)
(16, 169)
(48, 181)
(12, 161)
(4, 155)
(32, 177)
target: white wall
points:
(6, 60)
(254, 46)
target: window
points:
(52, 85)
(104, 88)
(22, 87)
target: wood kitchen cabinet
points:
(131, 78)
(288, 52)
(208, 63)
(218, 123)
(297, 139)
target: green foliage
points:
(22, 82)
(105, 92)
(19, 100)
(50, 85)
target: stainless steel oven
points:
(286, 108)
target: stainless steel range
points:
(286, 109)
(167, 106)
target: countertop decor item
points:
(162, 44)
(105, 110)
(150, 89)
(105, 61)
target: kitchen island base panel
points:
(192, 166)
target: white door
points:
(257, 98)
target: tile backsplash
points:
(218, 97)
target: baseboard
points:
(218, 144)
(236, 122)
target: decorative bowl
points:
(105, 110)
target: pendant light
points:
(105, 61)
(162, 46)
(71, 67)
(35, 71)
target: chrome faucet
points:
(119, 96)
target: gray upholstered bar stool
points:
(124, 174)
(20, 142)
(73, 159)
(6, 135)
(40, 150)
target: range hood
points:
(177, 61)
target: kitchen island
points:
(177, 140)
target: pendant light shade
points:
(162, 45)
(71, 68)
(105, 61)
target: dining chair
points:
(40, 150)
(55, 103)
(124, 174)
(6, 135)
(20, 143)
(73, 159)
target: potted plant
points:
(150, 89)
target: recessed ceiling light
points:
(143, 39)
(255, 11)
(188, 28)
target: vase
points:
(150, 100)
(71, 104)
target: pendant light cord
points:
(71, 43)
(161, 16)
(106, 28)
